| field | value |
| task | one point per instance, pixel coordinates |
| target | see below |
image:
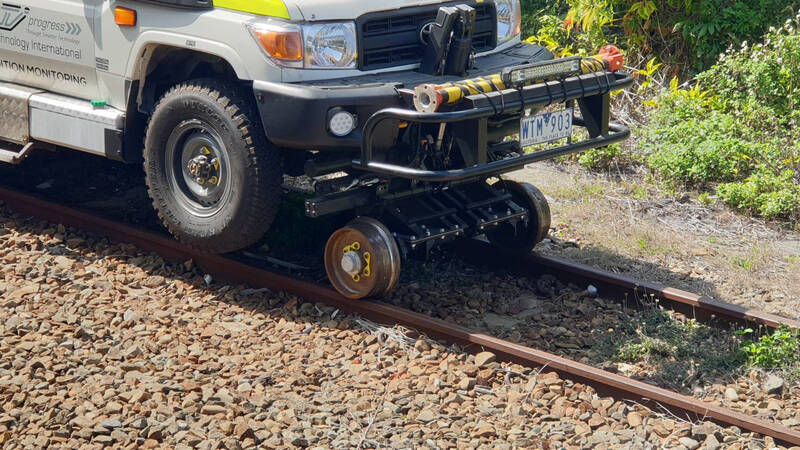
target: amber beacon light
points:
(125, 17)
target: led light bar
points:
(544, 70)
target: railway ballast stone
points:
(483, 359)
(731, 395)
(634, 419)
(689, 443)
(211, 367)
(773, 385)
(711, 443)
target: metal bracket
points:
(595, 111)
(12, 157)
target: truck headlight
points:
(328, 45)
(509, 20)
(331, 45)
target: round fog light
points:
(341, 122)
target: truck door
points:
(49, 44)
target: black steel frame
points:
(592, 91)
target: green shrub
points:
(764, 194)
(695, 152)
(738, 126)
(600, 158)
(773, 351)
(761, 83)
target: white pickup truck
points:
(403, 112)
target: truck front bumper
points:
(591, 91)
(295, 115)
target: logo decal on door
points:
(11, 16)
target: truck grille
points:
(390, 39)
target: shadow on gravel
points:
(85, 181)
(611, 261)
(648, 343)
(118, 191)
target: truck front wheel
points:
(213, 177)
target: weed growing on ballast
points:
(673, 351)
(778, 350)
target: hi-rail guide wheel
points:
(523, 237)
(362, 259)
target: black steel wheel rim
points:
(198, 168)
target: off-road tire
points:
(255, 167)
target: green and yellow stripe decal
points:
(270, 8)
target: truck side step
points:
(76, 123)
(12, 157)
(14, 112)
(34, 115)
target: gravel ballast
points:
(652, 344)
(103, 345)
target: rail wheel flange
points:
(523, 237)
(362, 259)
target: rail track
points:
(626, 289)
(620, 287)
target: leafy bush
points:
(761, 81)
(765, 194)
(600, 158)
(607, 158)
(773, 351)
(695, 151)
(689, 34)
(738, 126)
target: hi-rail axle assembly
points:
(435, 184)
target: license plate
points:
(545, 127)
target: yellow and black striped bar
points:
(430, 97)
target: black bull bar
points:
(591, 90)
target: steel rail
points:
(624, 288)
(233, 271)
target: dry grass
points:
(630, 226)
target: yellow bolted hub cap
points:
(355, 262)
(362, 259)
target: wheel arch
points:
(162, 64)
